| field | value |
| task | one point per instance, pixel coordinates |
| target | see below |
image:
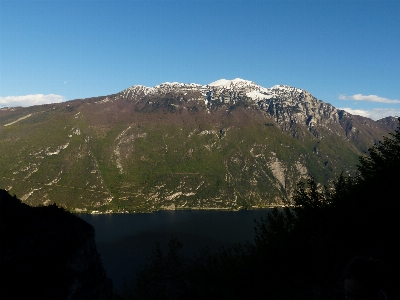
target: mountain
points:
(230, 144)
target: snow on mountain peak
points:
(220, 82)
(227, 83)
(251, 89)
(283, 87)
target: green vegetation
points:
(116, 154)
(299, 252)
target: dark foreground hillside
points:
(301, 252)
(48, 253)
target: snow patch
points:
(227, 83)
(256, 95)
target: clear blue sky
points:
(62, 50)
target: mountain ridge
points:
(230, 144)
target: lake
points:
(125, 241)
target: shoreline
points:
(95, 212)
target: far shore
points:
(96, 212)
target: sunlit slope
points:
(166, 151)
(46, 157)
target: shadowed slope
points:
(48, 253)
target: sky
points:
(344, 52)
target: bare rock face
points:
(48, 253)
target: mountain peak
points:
(227, 83)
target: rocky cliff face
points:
(287, 106)
(47, 253)
(229, 144)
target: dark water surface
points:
(125, 241)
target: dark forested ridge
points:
(299, 252)
(48, 253)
